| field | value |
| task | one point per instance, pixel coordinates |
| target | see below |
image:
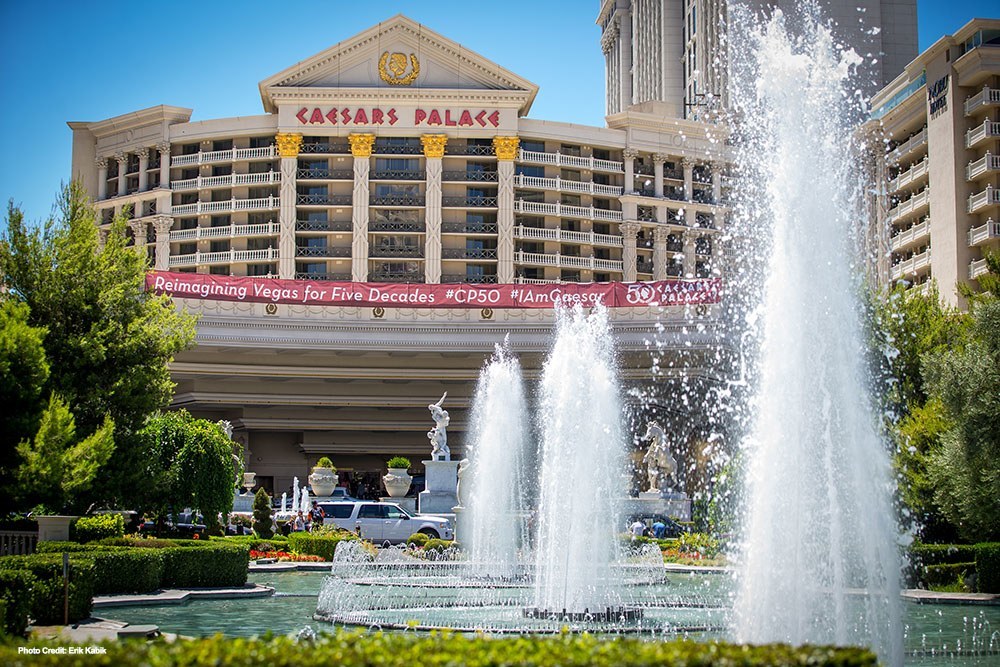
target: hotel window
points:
(530, 170)
(222, 195)
(187, 248)
(601, 154)
(533, 146)
(188, 223)
(570, 200)
(261, 142)
(315, 190)
(189, 149)
(219, 270)
(221, 220)
(222, 170)
(475, 167)
(260, 244)
(312, 268)
(261, 269)
(569, 149)
(260, 167)
(532, 273)
(259, 192)
(219, 246)
(189, 198)
(602, 253)
(316, 216)
(396, 164)
(187, 174)
(569, 175)
(310, 242)
(602, 278)
(396, 190)
(259, 218)
(222, 145)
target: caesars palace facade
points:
(362, 246)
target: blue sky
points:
(62, 61)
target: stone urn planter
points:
(249, 481)
(54, 528)
(397, 480)
(323, 479)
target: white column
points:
(164, 149)
(162, 225)
(433, 153)
(688, 179)
(660, 235)
(143, 154)
(658, 160)
(102, 177)
(506, 151)
(288, 149)
(689, 255)
(630, 230)
(625, 55)
(122, 166)
(361, 149)
(628, 157)
(139, 236)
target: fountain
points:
(820, 559)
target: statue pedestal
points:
(462, 527)
(408, 504)
(243, 502)
(441, 487)
(676, 505)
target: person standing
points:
(637, 529)
(316, 516)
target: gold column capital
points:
(289, 143)
(433, 144)
(505, 147)
(361, 144)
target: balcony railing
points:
(325, 174)
(562, 235)
(474, 176)
(988, 197)
(985, 97)
(914, 204)
(229, 231)
(978, 267)
(911, 235)
(909, 176)
(481, 151)
(983, 233)
(469, 227)
(396, 200)
(469, 202)
(567, 261)
(323, 200)
(983, 165)
(342, 277)
(224, 257)
(982, 132)
(589, 213)
(563, 160)
(227, 206)
(325, 147)
(913, 143)
(411, 251)
(231, 180)
(564, 185)
(399, 175)
(395, 226)
(322, 251)
(381, 148)
(396, 277)
(222, 156)
(458, 278)
(912, 265)
(323, 225)
(469, 253)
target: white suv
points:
(384, 522)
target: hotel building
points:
(938, 206)
(399, 156)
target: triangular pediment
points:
(398, 55)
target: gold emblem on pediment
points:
(392, 68)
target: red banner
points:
(420, 295)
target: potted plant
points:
(323, 479)
(397, 480)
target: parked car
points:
(188, 525)
(384, 522)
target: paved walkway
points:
(96, 629)
(921, 596)
(182, 595)
(287, 566)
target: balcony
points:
(460, 278)
(227, 232)
(228, 206)
(325, 147)
(467, 176)
(205, 182)
(231, 155)
(340, 277)
(322, 251)
(988, 197)
(396, 200)
(394, 251)
(916, 171)
(986, 164)
(984, 233)
(468, 228)
(911, 236)
(323, 225)
(393, 226)
(474, 150)
(567, 261)
(469, 202)
(476, 254)
(563, 160)
(918, 140)
(324, 174)
(911, 266)
(323, 200)
(398, 175)
(915, 204)
(396, 277)
(224, 257)
(978, 267)
(412, 147)
(985, 97)
(564, 185)
(564, 236)
(543, 208)
(987, 130)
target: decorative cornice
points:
(162, 224)
(142, 153)
(361, 144)
(629, 229)
(288, 143)
(163, 147)
(630, 153)
(101, 162)
(660, 158)
(505, 147)
(122, 158)
(433, 144)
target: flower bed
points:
(287, 556)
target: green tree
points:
(108, 341)
(56, 467)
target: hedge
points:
(405, 650)
(307, 543)
(212, 565)
(46, 593)
(988, 567)
(946, 574)
(922, 555)
(16, 604)
(97, 527)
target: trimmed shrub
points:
(418, 539)
(213, 565)
(120, 571)
(97, 527)
(357, 650)
(439, 545)
(946, 574)
(262, 518)
(322, 546)
(15, 598)
(988, 567)
(922, 555)
(398, 462)
(62, 547)
(47, 588)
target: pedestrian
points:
(299, 524)
(659, 529)
(637, 529)
(316, 515)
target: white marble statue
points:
(439, 434)
(660, 464)
(463, 469)
(227, 427)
